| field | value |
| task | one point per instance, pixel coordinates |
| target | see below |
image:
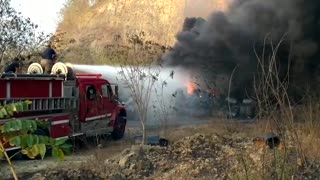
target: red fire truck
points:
(74, 105)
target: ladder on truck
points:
(46, 104)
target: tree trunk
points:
(144, 134)
(164, 127)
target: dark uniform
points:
(13, 67)
(48, 53)
(48, 57)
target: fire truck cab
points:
(74, 105)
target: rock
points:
(300, 163)
(132, 167)
(107, 161)
(125, 160)
(38, 176)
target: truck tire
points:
(119, 128)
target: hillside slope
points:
(104, 22)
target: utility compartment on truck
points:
(52, 101)
(30, 86)
(48, 93)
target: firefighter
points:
(48, 57)
(14, 67)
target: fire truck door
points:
(90, 105)
(108, 103)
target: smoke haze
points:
(228, 39)
(111, 73)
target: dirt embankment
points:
(205, 153)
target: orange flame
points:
(190, 87)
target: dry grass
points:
(308, 126)
(99, 27)
(255, 161)
(160, 20)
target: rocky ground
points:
(202, 152)
(196, 157)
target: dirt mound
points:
(201, 156)
(197, 157)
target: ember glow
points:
(191, 86)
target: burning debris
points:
(229, 39)
(191, 87)
(194, 101)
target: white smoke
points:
(111, 73)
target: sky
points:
(44, 13)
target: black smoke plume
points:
(223, 41)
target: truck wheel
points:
(119, 128)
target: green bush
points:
(21, 133)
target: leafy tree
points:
(20, 133)
(18, 35)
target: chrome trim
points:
(8, 88)
(62, 88)
(61, 137)
(65, 121)
(96, 117)
(50, 89)
(12, 148)
(34, 117)
(76, 134)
